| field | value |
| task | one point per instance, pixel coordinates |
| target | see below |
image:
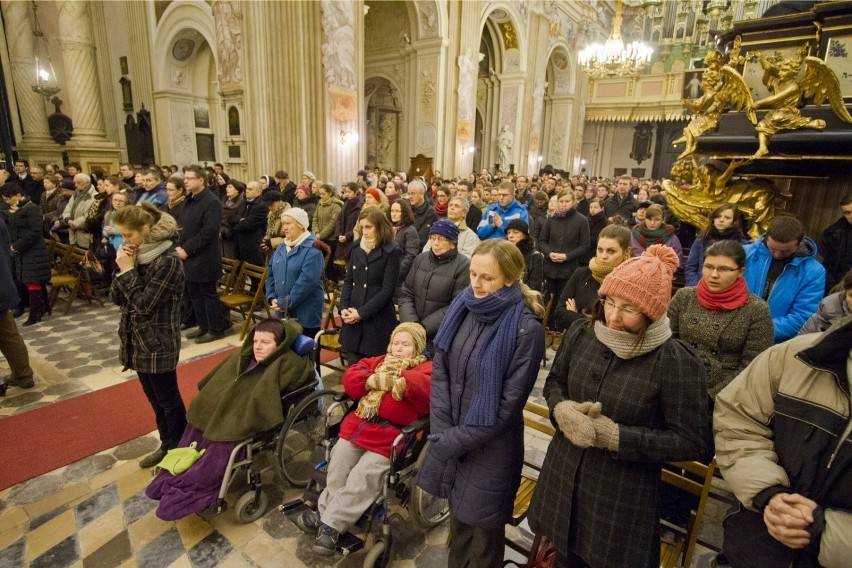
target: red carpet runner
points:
(41, 440)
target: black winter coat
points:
(199, 237)
(345, 225)
(150, 298)
(368, 287)
(583, 289)
(604, 505)
(424, 217)
(625, 207)
(481, 475)
(8, 291)
(567, 235)
(533, 265)
(430, 287)
(596, 225)
(409, 242)
(835, 246)
(249, 225)
(30, 261)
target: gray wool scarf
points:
(624, 344)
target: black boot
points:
(45, 301)
(36, 308)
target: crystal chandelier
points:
(45, 79)
(615, 58)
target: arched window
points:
(233, 121)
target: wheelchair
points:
(399, 487)
(289, 441)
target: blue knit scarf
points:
(503, 310)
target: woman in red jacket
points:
(392, 391)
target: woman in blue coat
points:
(294, 277)
(366, 300)
(488, 351)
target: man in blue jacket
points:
(782, 268)
(499, 213)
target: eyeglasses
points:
(504, 194)
(722, 270)
(607, 303)
(190, 177)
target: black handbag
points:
(91, 269)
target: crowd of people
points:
(453, 278)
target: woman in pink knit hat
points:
(625, 398)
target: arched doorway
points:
(499, 91)
(187, 116)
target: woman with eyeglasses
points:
(625, 398)
(720, 318)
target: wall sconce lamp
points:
(468, 150)
(540, 159)
(347, 137)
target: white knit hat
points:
(299, 215)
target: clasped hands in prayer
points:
(584, 425)
(386, 382)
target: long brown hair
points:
(379, 219)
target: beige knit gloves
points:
(399, 386)
(606, 431)
(379, 381)
(572, 420)
(585, 426)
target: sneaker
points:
(308, 521)
(153, 459)
(326, 542)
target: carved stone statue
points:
(338, 52)
(505, 143)
(467, 72)
(229, 40)
(386, 140)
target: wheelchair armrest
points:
(419, 424)
(342, 396)
(294, 396)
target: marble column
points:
(21, 42)
(467, 66)
(284, 119)
(81, 88)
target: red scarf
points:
(441, 209)
(733, 297)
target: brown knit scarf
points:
(387, 377)
(599, 269)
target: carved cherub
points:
(723, 86)
(781, 78)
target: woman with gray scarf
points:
(148, 288)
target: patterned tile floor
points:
(94, 513)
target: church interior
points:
(336, 86)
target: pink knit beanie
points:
(644, 281)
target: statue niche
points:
(384, 114)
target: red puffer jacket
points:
(378, 436)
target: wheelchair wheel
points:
(426, 510)
(302, 436)
(379, 555)
(248, 509)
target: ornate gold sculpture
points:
(696, 191)
(781, 78)
(723, 87)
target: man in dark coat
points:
(11, 343)
(835, 246)
(250, 225)
(199, 249)
(25, 180)
(435, 279)
(424, 214)
(622, 202)
(474, 214)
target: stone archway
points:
(186, 115)
(500, 88)
(557, 106)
